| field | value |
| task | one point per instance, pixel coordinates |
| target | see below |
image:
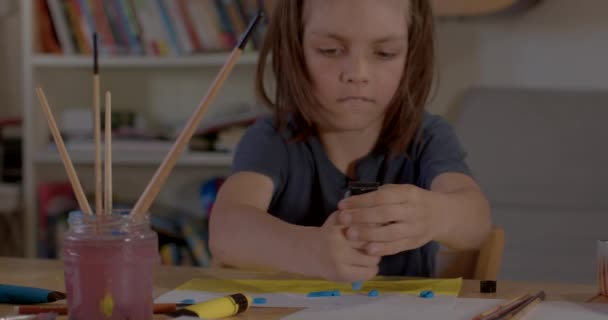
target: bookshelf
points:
(165, 89)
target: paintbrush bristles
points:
(108, 154)
(63, 153)
(95, 54)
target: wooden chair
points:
(479, 265)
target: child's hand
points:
(339, 259)
(392, 219)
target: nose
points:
(355, 71)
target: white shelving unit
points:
(126, 76)
(187, 159)
(206, 60)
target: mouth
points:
(356, 99)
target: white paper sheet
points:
(409, 307)
(277, 300)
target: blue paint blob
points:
(188, 301)
(427, 294)
(328, 293)
(373, 293)
(259, 300)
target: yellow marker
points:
(217, 308)
(107, 305)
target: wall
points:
(557, 44)
(560, 44)
(10, 64)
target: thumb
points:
(333, 219)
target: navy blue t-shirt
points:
(308, 187)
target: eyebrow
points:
(338, 37)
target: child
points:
(351, 78)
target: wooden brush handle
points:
(67, 162)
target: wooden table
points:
(49, 274)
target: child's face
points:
(355, 52)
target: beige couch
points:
(541, 157)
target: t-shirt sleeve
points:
(263, 150)
(441, 152)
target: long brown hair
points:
(293, 85)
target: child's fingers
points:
(386, 233)
(358, 273)
(332, 219)
(376, 215)
(390, 248)
(385, 195)
(358, 244)
(360, 258)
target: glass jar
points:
(109, 264)
(602, 266)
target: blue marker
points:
(27, 295)
(357, 188)
(328, 293)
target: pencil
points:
(97, 129)
(62, 309)
(521, 311)
(153, 188)
(501, 307)
(63, 153)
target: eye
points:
(385, 55)
(330, 52)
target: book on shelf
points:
(145, 27)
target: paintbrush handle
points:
(97, 129)
(67, 162)
(108, 155)
(502, 307)
(145, 200)
(523, 309)
(97, 141)
(62, 309)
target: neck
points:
(345, 148)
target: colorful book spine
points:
(226, 28)
(46, 34)
(118, 31)
(189, 25)
(211, 19)
(164, 13)
(146, 27)
(76, 27)
(102, 26)
(130, 26)
(86, 23)
(61, 25)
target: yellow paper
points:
(438, 286)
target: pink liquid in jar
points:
(109, 267)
